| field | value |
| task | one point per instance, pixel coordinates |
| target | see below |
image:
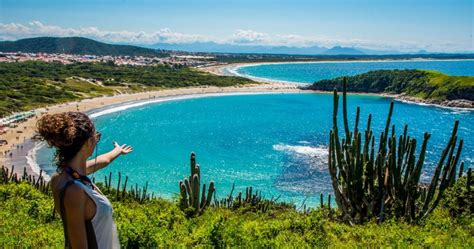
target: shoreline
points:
(22, 147)
(232, 70)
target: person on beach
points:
(86, 213)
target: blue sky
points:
(404, 25)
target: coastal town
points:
(174, 59)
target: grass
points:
(448, 87)
(425, 84)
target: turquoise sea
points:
(276, 143)
(311, 72)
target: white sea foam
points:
(314, 156)
(304, 142)
(125, 106)
(455, 110)
(302, 150)
(32, 162)
(234, 71)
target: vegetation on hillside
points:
(25, 85)
(28, 220)
(76, 45)
(417, 83)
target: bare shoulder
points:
(54, 180)
(58, 181)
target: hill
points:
(431, 86)
(75, 45)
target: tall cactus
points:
(190, 190)
(370, 183)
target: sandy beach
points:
(231, 70)
(19, 138)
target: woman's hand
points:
(105, 159)
(123, 149)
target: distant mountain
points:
(380, 52)
(213, 47)
(75, 45)
(338, 50)
(80, 45)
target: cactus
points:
(139, 195)
(118, 186)
(190, 190)
(469, 179)
(122, 193)
(124, 187)
(321, 200)
(254, 200)
(8, 175)
(369, 183)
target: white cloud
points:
(13, 31)
(249, 37)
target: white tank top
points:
(102, 222)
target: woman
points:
(85, 211)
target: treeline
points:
(417, 83)
(25, 85)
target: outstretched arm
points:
(103, 160)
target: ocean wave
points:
(302, 150)
(234, 71)
(304, 142)
(310, 155)
(305, 171)
(452, 109)
(125, 106)
(32, 162)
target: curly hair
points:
(67, 132)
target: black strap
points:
(91, 239)
(74, 174)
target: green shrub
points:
(27, 221)
(458, 200)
